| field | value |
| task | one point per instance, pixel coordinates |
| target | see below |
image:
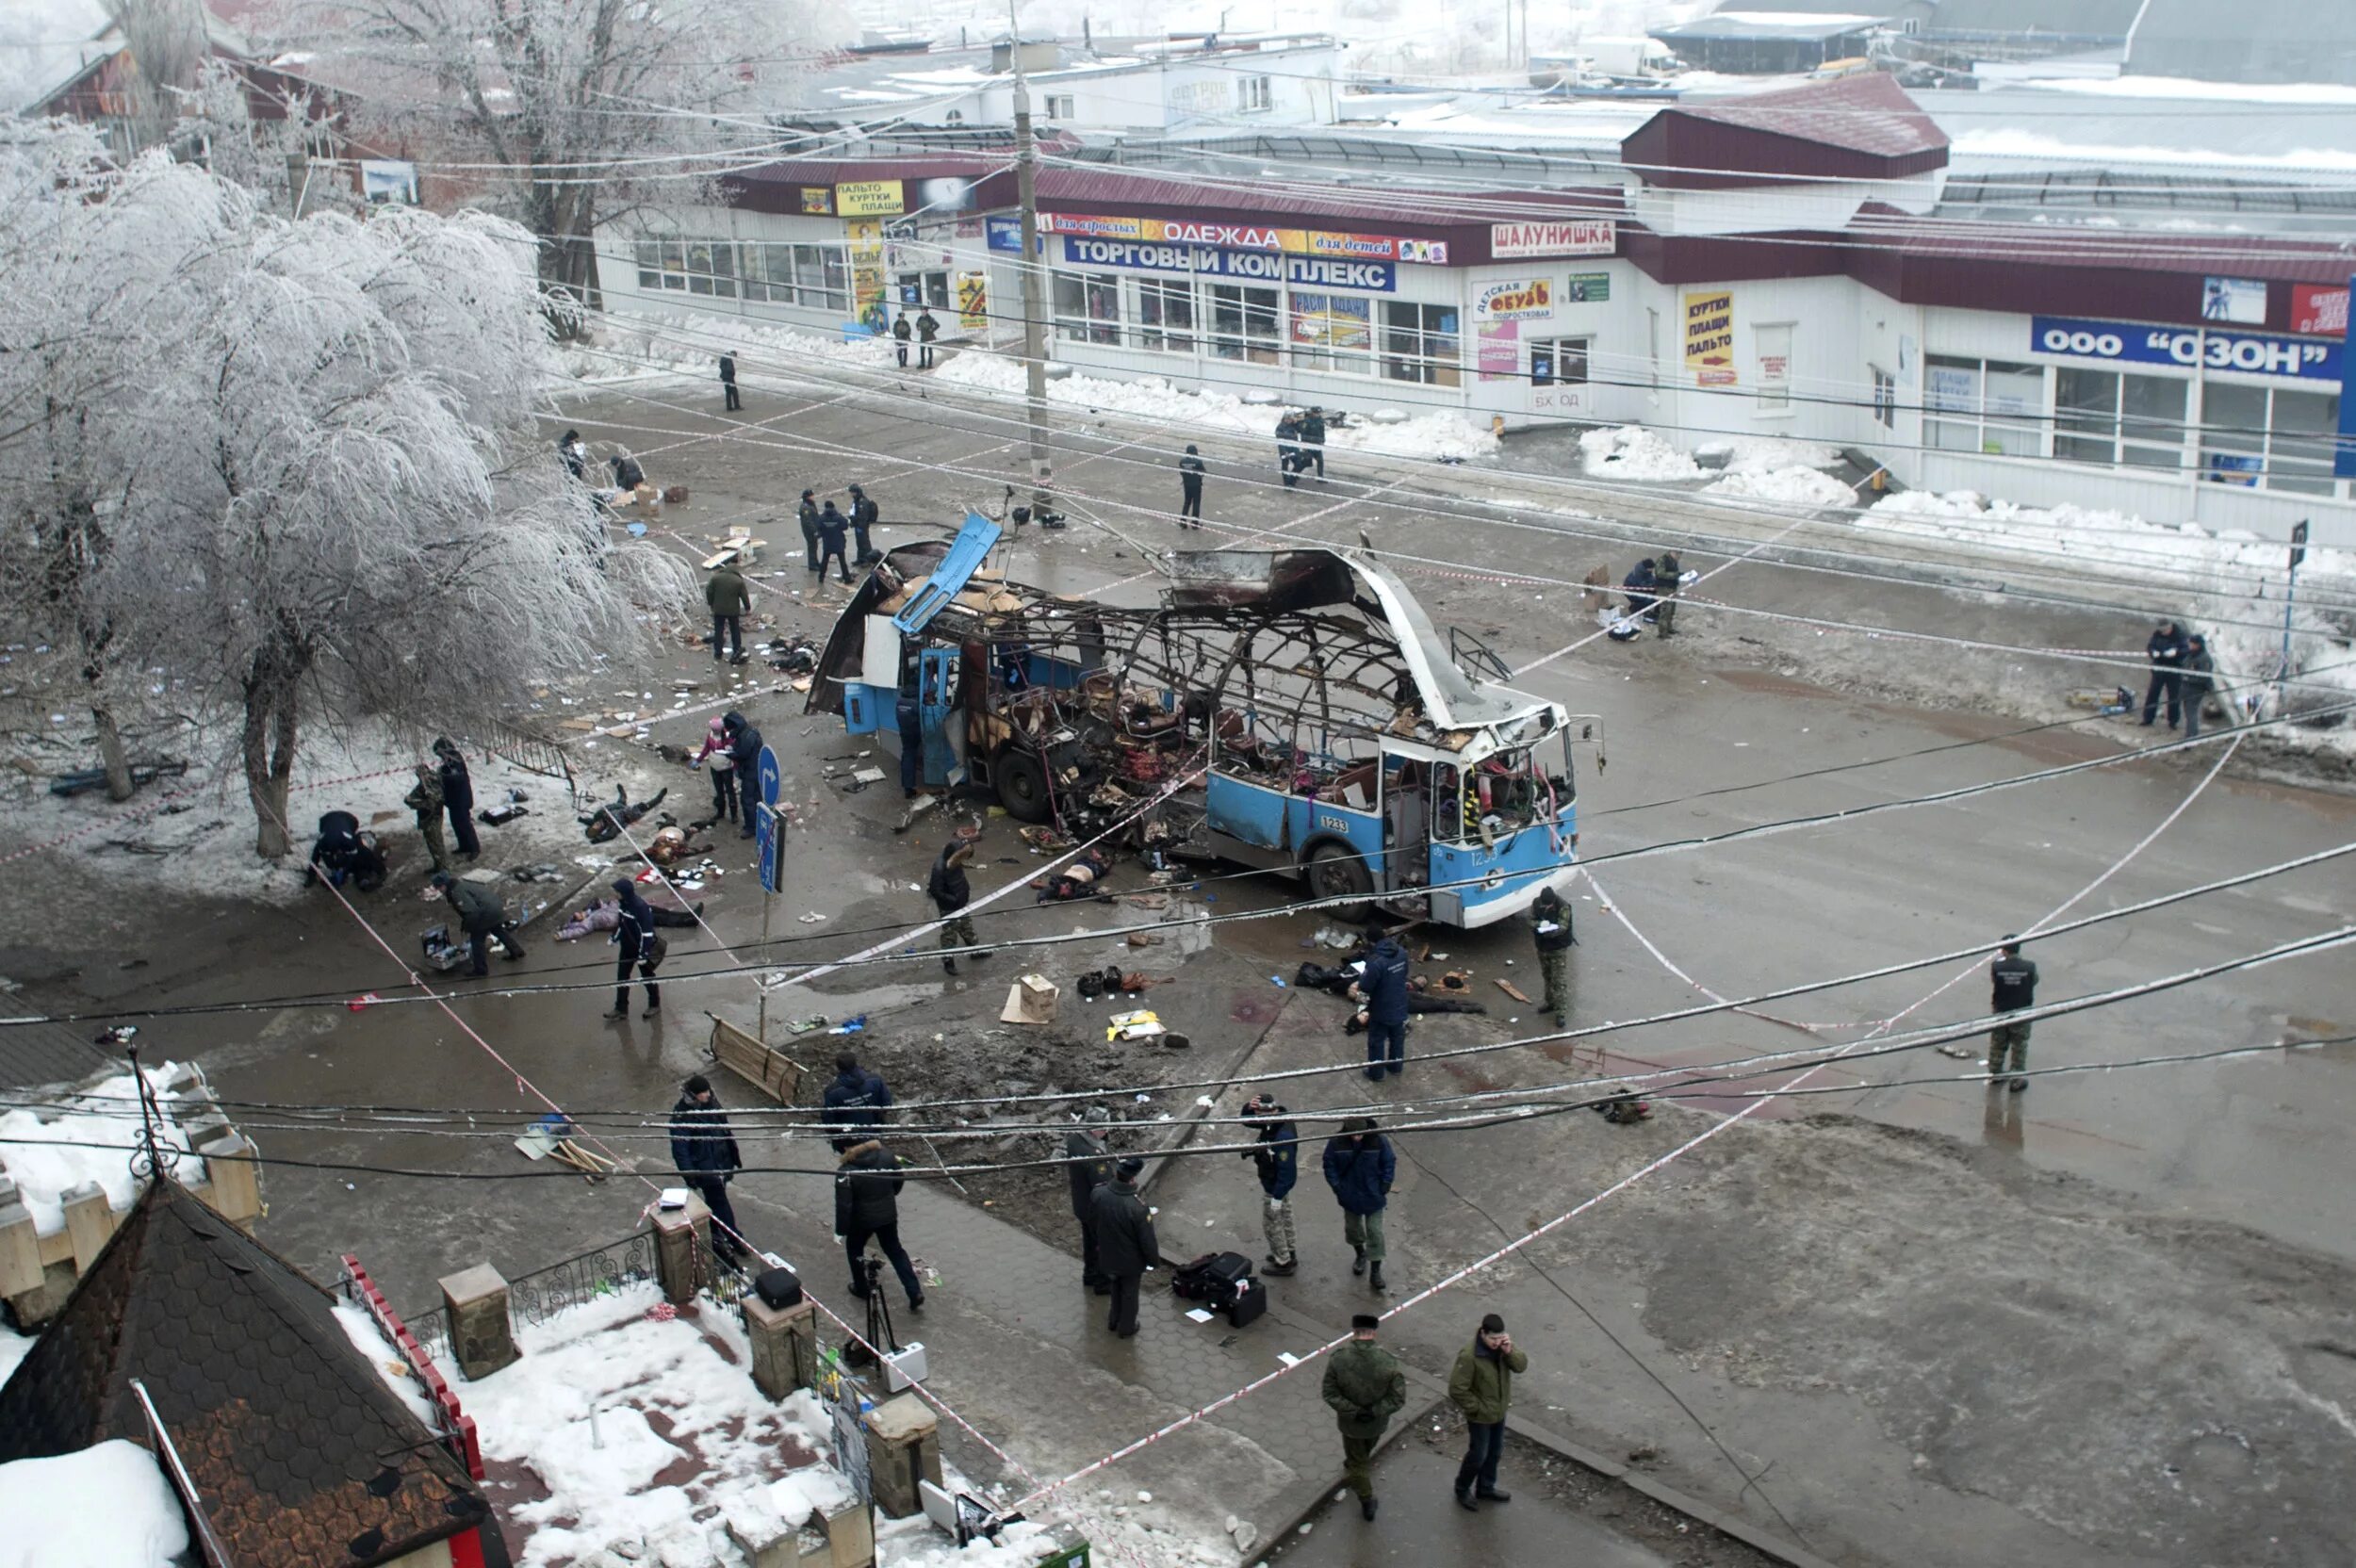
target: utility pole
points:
(2290, 593)
(1033, 308)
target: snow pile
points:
(107, 1506)
(638, 344)
(2235, 561)
(1809, 488)
(1758, 454)
(1633, 453)
(1430, 436)
(36, 1153)
(636, 1424)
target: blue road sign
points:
(768, 828)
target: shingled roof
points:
(300, 1454)
(1861, 127)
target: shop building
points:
(1773, 264)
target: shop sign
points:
(2254, 353)
(1523, 300)
(973, 299)
(2318, 311)
(1578, 237)
(1004, 234)
(868, 199)
(1246, 236)
(2240, 301)
(1709, 338)
(818, 201)
(1372, 277)
(1500, 349)
(1587, 288)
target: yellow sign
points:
(818, 200)
(973, 299)
(1709, 338)
(867, 277)
(868, 199)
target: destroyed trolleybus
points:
(1292, 709)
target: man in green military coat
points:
(1366, 1387)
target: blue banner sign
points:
(2257, 353)
(1372, 277)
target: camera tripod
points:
(878, 1332)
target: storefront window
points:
(2277, 437)
(1562, 362)
(1087, 307)
(1243, 323)
(1166, 316)
(1333, 332)
(650, 264)
(1420, 343)
(2299, 454)
(1984, 406)
(2105, 417)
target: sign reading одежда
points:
(1246, 236)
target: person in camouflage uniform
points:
(1365, 1388)
(1550, 928)
(426, 800)
(1666, 570)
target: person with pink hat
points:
(718, 750)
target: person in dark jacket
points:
(1288, 449)
(2165, 653)
(1190, 488)
(867, 1207)
(1482, 1386)
(703, 1147)
(730, 599)
(627, 475)
(2012, 986)
(728, 381)
(865, 514)
(927, 329)
(340, 854)
(833, 528)
(2199, 680)
(744, 749)
(1364, 1387)
(1382, 988)
(1313, 441)
(1125, 1248)
(807, 512)
(1360, 1165)
(1091, 1167)
(458, 796)
(1637, 585)
(1550, 929)
(1665, 574)
(482, 915)
(1278, 1155)
(635, 941)
(574, 455)
(950, 891)
(901, 332)
(855, 1102)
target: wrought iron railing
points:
(536, 1297)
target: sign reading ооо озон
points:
(2257, 353)
(1374, 277)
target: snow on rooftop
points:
(107, 1506)
(634, 1425)
(2330, 93)
(1793, 19)
(35, 1149)
(2011, 144)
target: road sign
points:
(768, 828)
(2299, 543)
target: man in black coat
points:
(744, 752)
(867, 1205)
(1091, 1167)
(1190, 488)
(2199, 680)
(927, 329)
(635, 938)
(1125, 1248)
(703, 1147)
(855, 1102)
(727, 380)
(865, 514)
(2165, 652)
(807, 512)
(458, 796)
(1312, 440)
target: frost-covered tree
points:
(565, 110)
(292, 464)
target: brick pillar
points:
(236, 1179)
(903, 1447)
(785, 1345)
(88, 1221)
(680, 1235)
(20, 1243)
(850, 1538)
(481, 1339)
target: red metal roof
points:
(1861, 127)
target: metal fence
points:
(539, 1295)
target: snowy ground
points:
(1760, 469)
(107, 1506)
(36, 1147)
